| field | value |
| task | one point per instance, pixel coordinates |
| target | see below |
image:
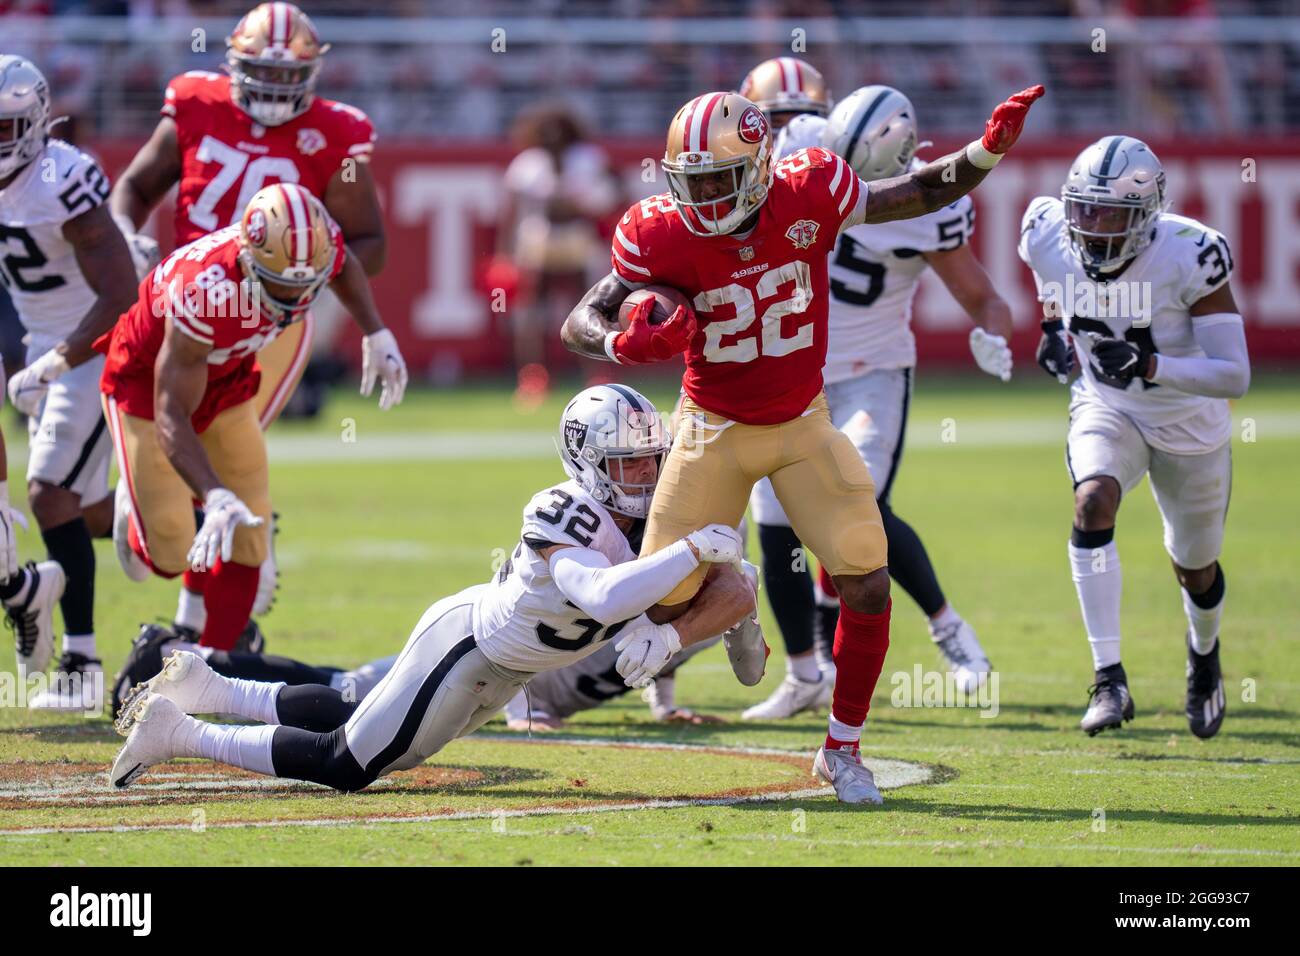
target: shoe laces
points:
(952, 646)
(23, 623)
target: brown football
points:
(667, 299)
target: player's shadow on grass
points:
(897, 802)
(86, 731)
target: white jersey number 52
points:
(768, 341)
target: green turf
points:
(368, 544)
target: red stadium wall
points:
(441, 205)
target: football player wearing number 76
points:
(747, 241)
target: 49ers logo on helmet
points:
(257, 227)
(753, 125)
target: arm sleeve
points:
(1224, 372)
(612, 593)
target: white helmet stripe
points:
(789, 74)
(279, 24)
(300, 224)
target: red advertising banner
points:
(442, 203)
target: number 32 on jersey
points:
(768, 338)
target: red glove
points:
(1003, 128)
(642, 342)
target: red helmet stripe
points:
(702, 136)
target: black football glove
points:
(1121, 361)
(1055, 353)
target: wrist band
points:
(609, 347)
(981, 157)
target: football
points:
(667, 299)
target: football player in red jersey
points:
(180, 385)
(221, 139)
(747, 241)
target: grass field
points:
(384, 513)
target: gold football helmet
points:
(287, 246)
(274, 56)
(719, 162)
(784, 87)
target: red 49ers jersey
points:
(226, 157)
(761, 300)
(203, 291)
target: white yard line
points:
(889, 774)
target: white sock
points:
(246, 747)
(1097, 580)
(79, 644)
(253, 699)
(845, 732)
(945, 618)
(803, 667)
(190, 611)
(1203, 624)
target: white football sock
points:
(1203, 624)
(190, 611)
(253, 699)
(804, 667)
(79, 644)
(1097, 580)
(246, 747)
(845, 732)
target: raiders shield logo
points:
(575, 436)
(803, 233)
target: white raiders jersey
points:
(875, 272)
(522, 620)
(37, 264)
(1185, 262)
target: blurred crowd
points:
(435, 87)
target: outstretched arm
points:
(946, 180)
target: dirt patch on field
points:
(27, 786)
(33, 785)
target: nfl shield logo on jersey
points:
(746, 253)
(803, 233)
(310, 141)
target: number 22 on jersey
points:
(768, 338)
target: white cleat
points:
(32, 620)
(77, 684)
(131, 562)
(843, 769)
(187, 681)
(747, 651)
(156, 724)
(268, 575)
(966, 658)
(792, 696)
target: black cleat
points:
(144, 661)
(1206, 702)
(1109, 702)
(251, 640)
